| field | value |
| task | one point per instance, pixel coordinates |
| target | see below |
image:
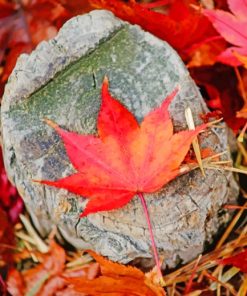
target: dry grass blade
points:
(230, 228)
(25, 237)
(41, 246)
(242, 150)
(29, 248)
(234, 207)
(208, 269)
(189, 284)
(243, 288)
(224, 279)
(79, 261)
(242, 133)
(195, 143)
(225, 168)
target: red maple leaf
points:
(52, 277)
(117, 279)
(239, 261)
(24, 25)
(217, 95)
(179, 24)
(126, 158)
(232, 27)
(48, 277)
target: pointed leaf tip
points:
(82, 215)
(50, 123)
(105, 89)
(170, 97)
(106, 80)
(37, 181)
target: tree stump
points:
(61, 80)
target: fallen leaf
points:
(15, 283)
(214, 101)
(25, 25)
(7, 240)
(116, 279)
(103, 277)
(6, 8)
(232, 27)
(10, 201)
(242, 59)
(77, 7)
(239, 261)
(36, 279)
(179, 24)
(213, 82)
(150, 154)
(207, 53)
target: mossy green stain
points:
(77, 86)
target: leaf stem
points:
(156, 257)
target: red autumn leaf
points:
(214, 102)
(239, 261)
(49, 276)
(232, 27)
(218, 95)
(116, 279)
(6, 8)
(126, 158)
(77, 7)
(24, 25)
(15, 283)
(10, 201)
(7, 240)
(180, 25)
(44, 274)
(207, 53)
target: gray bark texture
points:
(61, 80)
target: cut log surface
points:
(61, 80)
